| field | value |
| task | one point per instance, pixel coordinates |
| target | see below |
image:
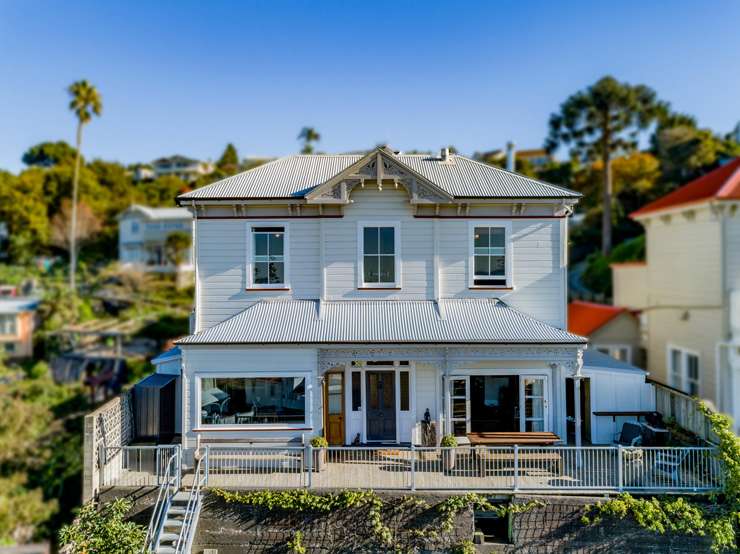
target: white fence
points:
(683, 408)
(555, 469)
(137, 466)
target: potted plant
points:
(448, 443)
(319, 455)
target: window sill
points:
(378, 288)
(491, 288)
(264, 289)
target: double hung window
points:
(379, 256)
(268, 257)
(490, 255)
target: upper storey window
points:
(490, 249)
(379, 255)
(268, 257)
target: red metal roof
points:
(723, 183)
(586, 317)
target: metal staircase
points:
(180, 520)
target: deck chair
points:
(631, 434)
(670, 462)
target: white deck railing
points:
(137, 466)
(554, 469)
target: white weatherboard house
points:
(350, 296)
(142, 237)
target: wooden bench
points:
(553, 460)
(510, 438)
(550, 460)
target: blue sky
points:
(187, 77)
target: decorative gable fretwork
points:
(378, 169)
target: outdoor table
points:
(512, 438)
(480, 440)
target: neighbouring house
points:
(17, 323)
(612, 330)
(688, 288)
(536, 157)
(187, 169)
(142, 238)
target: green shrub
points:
(319, 442)
(103, 531)
(448, 441)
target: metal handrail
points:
(200, 478)
(164, 498)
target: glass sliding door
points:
(459, 406)
(534, 403)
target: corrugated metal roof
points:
(294, 176)
(382, 321)
(593, 359)
(158, 213)
(15, 304)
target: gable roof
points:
(465, 321)
(586, 317)
(292, 177)
(595, 360)
(723, 184)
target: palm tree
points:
(308, 135)
(600, 122)
(85, 103)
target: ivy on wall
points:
(720, 520)
(303, 501)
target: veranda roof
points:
(459, 321)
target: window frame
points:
(251, 285)
(14, 327)
(361, 226)
(614, 347)
(307, 424)
(508, 254)
(683, 372)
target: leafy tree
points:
(22, 511)
(597, 275)
(229, 160)
(47, 154)
(103, 531)
(686, 152)
(23, 207)
(163, 190)
(176, 245)
(599, 122)
(309, 136)
(85, 103)
(87, 225)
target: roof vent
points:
(444, 155)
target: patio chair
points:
(631, 434)
(670, 462)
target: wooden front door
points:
(334, 408)
(381, 406)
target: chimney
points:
(444, 154)
(510, 156)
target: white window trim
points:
(307, 417)
(684, 373)
(611, 347)
(361, 284)
(508, 244)
(286, 255)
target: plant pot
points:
(449, 458)
(319, 459)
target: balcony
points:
(512, 469)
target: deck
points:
(554, 470)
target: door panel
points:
(534, 403)
(334, 407)
(381, 405)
